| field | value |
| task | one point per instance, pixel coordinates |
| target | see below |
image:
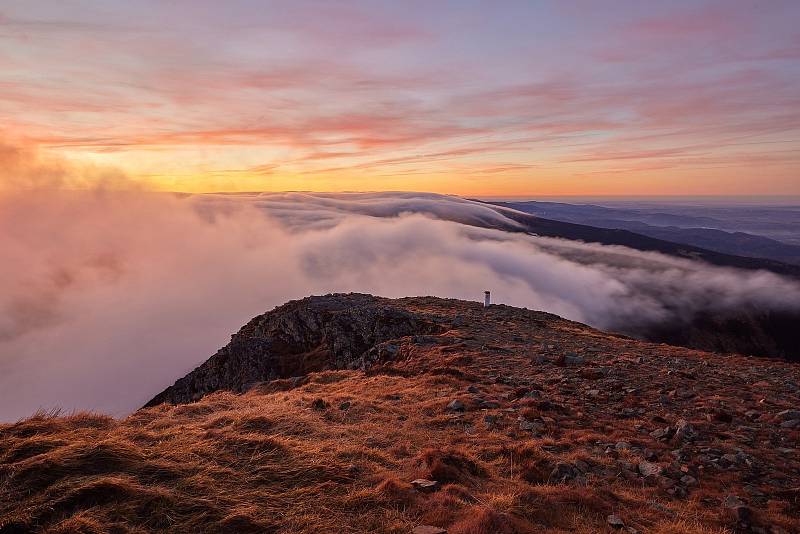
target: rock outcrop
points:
(313, 334)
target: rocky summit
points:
(314, 334)
(352, 413)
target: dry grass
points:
(272, 461)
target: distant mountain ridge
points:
(701, 232)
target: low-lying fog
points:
(108, 297)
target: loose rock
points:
(615, 521)
(425, 485)
(427, 529)
(647, 469)
(456, 406)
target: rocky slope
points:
(425, 415)
(331, 332)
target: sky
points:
(463, 97)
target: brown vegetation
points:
(534, 449)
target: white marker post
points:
(487, 299)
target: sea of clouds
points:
(108, 295)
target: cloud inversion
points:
(108, 296)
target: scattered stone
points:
(688, 480)
(647, 469)
(344, 406)
(425, 485)
(564, 472)
(729, 458)
(786, 415)
(473, 389)
(791, 423)
(427, 529)
(524, 424)
(591, 373)
(665, 482)
(736, 509)
(684, 431)
(660, 433)
(683, 394)
(615, 521)
(489, 405)
(456, 406)
(654, 505)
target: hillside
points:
(350, 413)
(682, 224)
(639, 241)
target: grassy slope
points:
(273, 460)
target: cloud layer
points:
(108, 296)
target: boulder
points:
(424, 485)
(428, 529)
(647, 469)
(615, 521)
(736, 510)
(456, 406)
(786, 415)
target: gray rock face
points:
(313, 334)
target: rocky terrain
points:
(298, 338)
(350, 413)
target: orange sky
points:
(681, 98)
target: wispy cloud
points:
(189, 89)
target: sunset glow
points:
(470, 98)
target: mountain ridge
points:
(702, 232)
(322, 333)
(629, 238)
(439, 416)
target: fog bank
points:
(107, 297)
